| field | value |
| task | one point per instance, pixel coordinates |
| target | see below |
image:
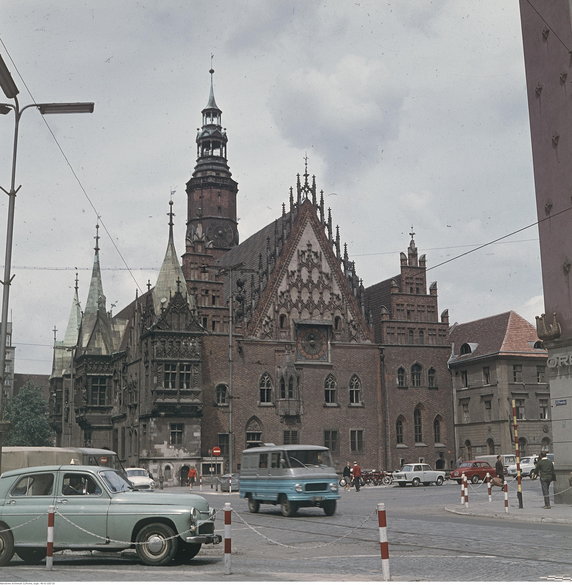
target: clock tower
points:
(211, 191)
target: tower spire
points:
(95, 296)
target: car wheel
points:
(439, 481)
(415, 482)
(253, 506)
(330, 507)
(6, 545)
(475, 479)
(401, 483)
(187, 551)
(156, 544)
(31, 556)
(287, 508)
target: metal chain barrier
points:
(111, 539)
(367, 518)
(23, 524)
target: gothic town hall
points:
(270, 340)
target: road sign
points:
(216, 451)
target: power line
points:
(98, 215)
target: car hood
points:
(137, 498)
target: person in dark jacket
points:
(347, 476)
(545, 470)
(499, 468)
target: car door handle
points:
(62, 501)
(12, 503)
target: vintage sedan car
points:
(417, 474)
(474, 471)
(97, 509)
(140, 478)
(527, 465)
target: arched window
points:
(491, 446)
(399, 430)
(418, 425)
(265, 389)
(283, 321)
(282, 388)
(437, 429)
(253, 433)
(416, 370)
(291, 387)
(330, 390)
(432, 378)
(465, 349)
(355, 390)
(401, 381)
(221, 394)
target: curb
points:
(509, 516)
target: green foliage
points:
(28, 415)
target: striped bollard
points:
(383, 544)
(466, 484)
(505, 490)
(489, 487)
(227, 538)
(50, 543)
(462, 489)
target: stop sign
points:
(216, 451)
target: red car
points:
(475, 471)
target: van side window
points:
(275, 460)
(263, 464)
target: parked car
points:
(526, 466)
(474, 471)
(229, 482)
(97, 509)
(418, 473)
(140, 478)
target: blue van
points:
(292, 476)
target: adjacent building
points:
(495, 361)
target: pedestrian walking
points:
(545, 470)
(499, 469)
(356, 473)
(192, 476)
(347, 476)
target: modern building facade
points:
(547, 40)
(494, 361)
(274, 339)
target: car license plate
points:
(317, 499)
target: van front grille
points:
(316, 487)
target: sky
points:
(412, 113)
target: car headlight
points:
(334, 487)
(195, 514)
(299, 488)
(212, 514)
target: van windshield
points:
(309, 458)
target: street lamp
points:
(11, 91)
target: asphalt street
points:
(432, 537)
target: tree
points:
(27, 412)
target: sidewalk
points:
(531, 512)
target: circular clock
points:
(221, 234)
(312, 343)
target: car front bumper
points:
(204, 539)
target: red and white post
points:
(462, 489)
(505, 490)
(383, 544)
(50, 542)
(227, 538)
(466, 486)
(489, 487)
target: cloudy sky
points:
(411, 113)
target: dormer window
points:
(465, 349)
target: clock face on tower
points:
(312, 343)
(221, 234)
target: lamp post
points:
(11, 91)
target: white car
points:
(418, 473)
(526, 466)
(140, 478)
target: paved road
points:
(426, 543)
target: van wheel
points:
(287, 508)
(330, 507)
(253, 506)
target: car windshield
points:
(114, 482)
(407, 468)
(466, 464)
(136, 472)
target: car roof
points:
(52, 468)
(137, 468)
(271, 447)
